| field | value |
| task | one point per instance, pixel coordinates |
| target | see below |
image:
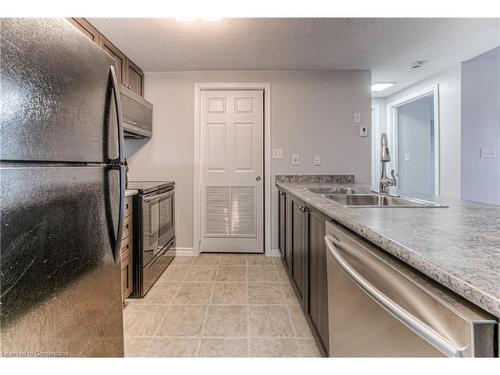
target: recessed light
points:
(381, 86)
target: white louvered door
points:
(232, 166)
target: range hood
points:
(137, 115)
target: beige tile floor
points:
(219, 305)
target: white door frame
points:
(392, 129)
(376, 146)
(266, 87)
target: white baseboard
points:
(185, 252)
(273, 253)
(189, 252)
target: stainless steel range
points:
(155, 242)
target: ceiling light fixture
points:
(381, 86)
(192, 19)
(416, 64)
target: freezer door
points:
(56, 94)
(60, 281)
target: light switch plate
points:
(317, 160)
(488, 153)
(363, 131)
(407, 156)
(357, 117)
(277, 153)
(295, 159)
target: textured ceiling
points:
(386, 46)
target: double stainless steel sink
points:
(332, 190)
(349, 197)
(378, 200)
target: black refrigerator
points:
(62, 186)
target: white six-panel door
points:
(232, 171)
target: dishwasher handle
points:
(394, 309)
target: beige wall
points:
(311, 112)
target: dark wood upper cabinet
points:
(86, 28)
(128, 73)
(118, 56)
(135, 78)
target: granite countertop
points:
(458, 246)
(130, 192)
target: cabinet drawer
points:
(126, 276)
(128, 206)
(127, 227)
(126, 248)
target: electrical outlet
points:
(295, 159)
(363, 131)
(317, 160)
(357, 117)
(277, 153)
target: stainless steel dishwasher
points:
(380, 307)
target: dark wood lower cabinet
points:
(302, 247)
(288, 234)
(282, 223)
(284, 241)
(317, 282)
(299, 214)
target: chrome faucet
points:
(385, 157)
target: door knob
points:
(257, 178)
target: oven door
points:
(158, 223)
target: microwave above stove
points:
(137, 115)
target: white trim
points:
(273, 253)
(184, 252)
(266, 87)
(375, 146)
(392, 128)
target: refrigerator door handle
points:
(118, 163)
(119, 116)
